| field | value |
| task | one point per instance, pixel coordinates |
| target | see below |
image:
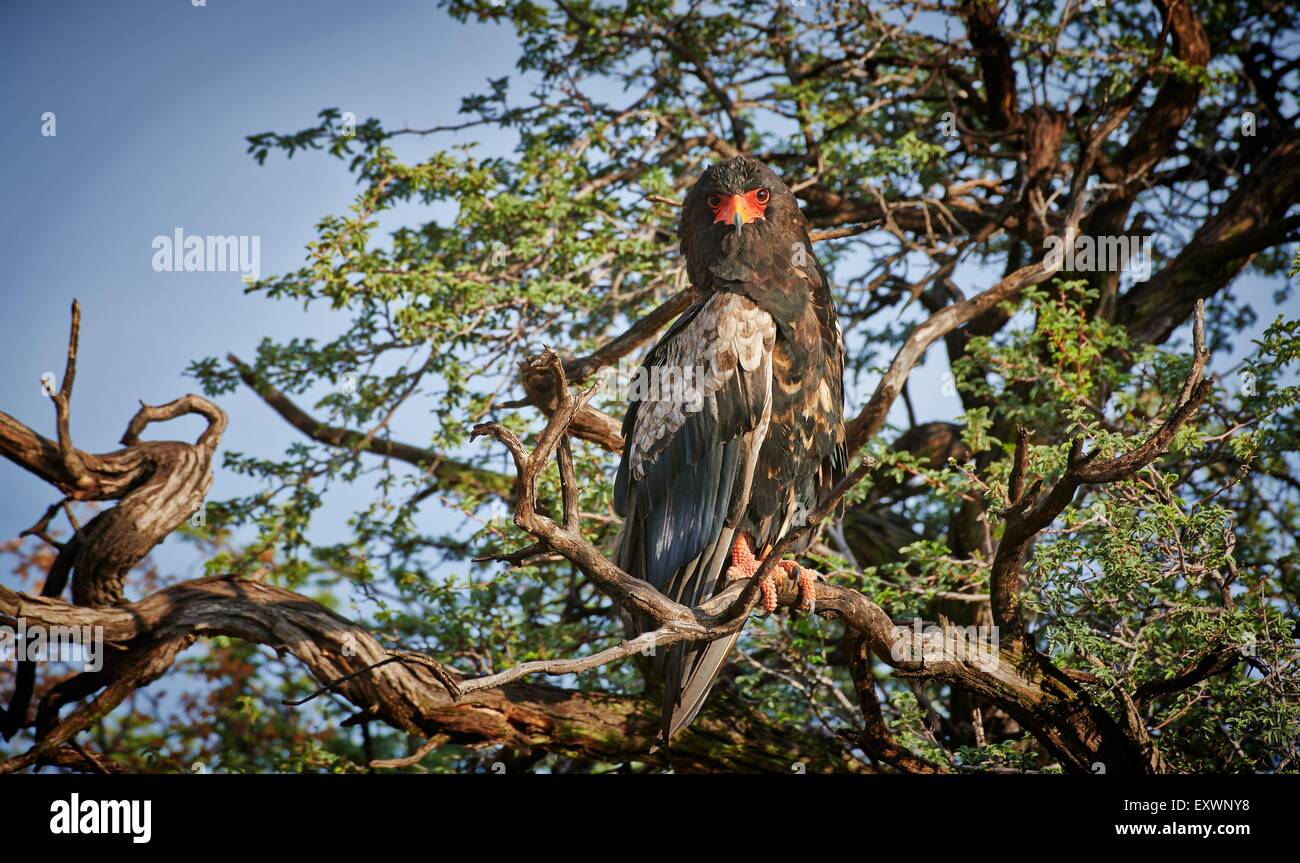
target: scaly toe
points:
(768, 588)
(807, 590)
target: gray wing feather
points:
(685, 478)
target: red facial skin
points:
(750, 206)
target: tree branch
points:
(525, 716)
(1027, 513)
(446, 470)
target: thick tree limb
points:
(994, 52)
(158, 485)
(1255, 217)
(525, 716)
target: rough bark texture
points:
(158, 485)
(524, 716)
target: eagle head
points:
(741, 225)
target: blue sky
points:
(152, 103)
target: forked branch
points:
(1028, 513)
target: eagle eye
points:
(762, 196)
(714, 201)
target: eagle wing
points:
(692, 440)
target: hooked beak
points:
(737, 210)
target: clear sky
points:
(153, 100)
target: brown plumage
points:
(751, 439)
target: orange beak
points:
(738, 210)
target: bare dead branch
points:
(869, 421)
(69, 454)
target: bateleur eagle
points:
(717, 468)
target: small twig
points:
(660, 199)
(41, 528)
(846, 231)
(439, 671)
(190, 404)
(69, 455)
(622, 650)
(415, 757)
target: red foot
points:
(744, 563)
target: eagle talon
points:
(807, 579)
(807, 591)
(744, 563)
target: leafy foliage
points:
(566, 242)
